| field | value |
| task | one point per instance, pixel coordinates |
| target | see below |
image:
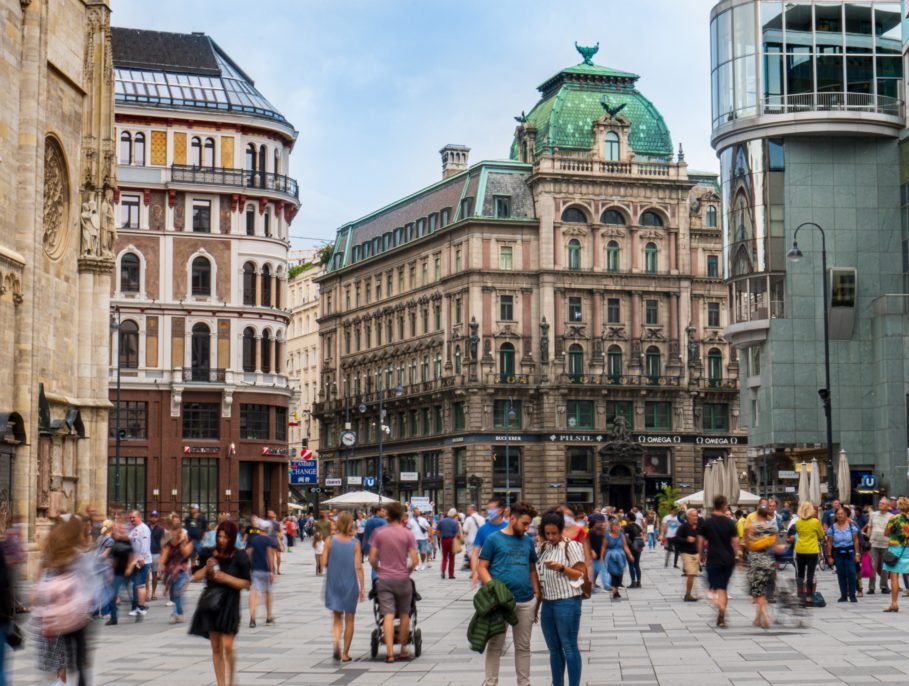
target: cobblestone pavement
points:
(651, 637)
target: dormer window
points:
(611, 147)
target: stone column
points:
(597, 326)
(673, 253)
(635, 362)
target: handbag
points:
(212, 597)
(892, 559)
(583, 582)
(14, 636)
(456, 545)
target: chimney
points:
(454, 159)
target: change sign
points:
(304, 472)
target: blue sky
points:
(376, 87)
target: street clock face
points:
(348, 439)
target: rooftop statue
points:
(611, 111)
(587, 53)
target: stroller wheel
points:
(417, 643)
(374, 643)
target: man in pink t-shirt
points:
(389, 550)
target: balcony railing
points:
(720, 383)
(833, 102)
(583, 162)
(203, 375)
(620, 380)
(240, 178)
(508, 379)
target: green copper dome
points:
(573, 99)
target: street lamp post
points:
(115, 328)
(794, 255)
(509, 417)
(399, 391)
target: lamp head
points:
(794, 254)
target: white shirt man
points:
(421, 529)
(472, 524)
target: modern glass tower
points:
(807, 111)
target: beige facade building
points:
(303, 355)
(57, 179)
(547, 328)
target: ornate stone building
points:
(57, 178)
(203, 213)
(303, 355)
(506, 316)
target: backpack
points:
(65, 605)
(817, 600)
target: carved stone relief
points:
(56, 199)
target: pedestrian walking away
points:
(262, 548)
(760, 538)
(508, 556)
(896, 560)
(226, 571)
(174, 568)
(807, 533)
(596, 541)
(344, 584)
(472, 523)
(449, 534)
(422, 531)
(718, 550)
(686, 542)
(561, 568)
(635, 535)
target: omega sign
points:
(659, 439)
(717, 440)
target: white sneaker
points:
(134, 613)
(169, 603)
(420, 568)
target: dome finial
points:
(587, 53)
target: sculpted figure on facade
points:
(544, 341)
(474, 340)
(694, 350)
(108, 224)
(91, 227)
(56, 196)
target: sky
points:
(376, 87)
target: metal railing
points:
(508, 379)
(720, 383)
(832, 102)
(203, 375)
(620, 380)
(241, 178)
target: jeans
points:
(115, 586)
(560, 620)
(651, 540)
(176, 592)
(634, 567)
(845, 571)
(877, 560)
(599, 569)
(670, 550)
(521, 636)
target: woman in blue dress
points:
(344, 586)
(898, 534)
(617, 555)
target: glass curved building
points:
(808, 103)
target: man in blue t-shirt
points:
(261, 547)
(496, 520)
(376, 521)
(509, 556)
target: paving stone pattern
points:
(651, 637)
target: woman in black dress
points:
(217, 617)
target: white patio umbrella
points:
(804, 493)
(358, 499)
(814, 483)
(843, 478)
(719, 480)
(745, 498)
(707, 494)
(732, 489)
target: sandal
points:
(345, 659)
(389, 659)
(892, 609)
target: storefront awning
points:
(12, 428)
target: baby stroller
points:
(415, 635)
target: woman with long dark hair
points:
(226, 571)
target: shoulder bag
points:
(584, 582)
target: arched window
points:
(249, 284)
(575, 363)
(457, 359)
(251, 165)
(714, 365)
(614, 362)
(613, 253)
(279, 355)
(139, 149)
(611, 150)
(654, 363)
(650, 258)
(263, 175)
(651, 219)
(201, 276)
(278, 291)
(128, 344)
(266, 223)
(208, 156)
(711, 217)
(249, 349)
(266, 352)
(506, 361)
(129, 273)
(574, 216)
(196, 151)
(574, 255)
(200, 352)
(126, 148)
(613, 217)
(266, 286)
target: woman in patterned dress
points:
(898, 534)
(760, 538)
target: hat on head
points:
(153, 513)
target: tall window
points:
(574, 216)
(650, 258)
(575, 362)
(579, 414)
(505, 255)
(713, 267)
(251, 164)
(575, 312)
(651, 219)
(506, 360)
(614, 361)
(503, 206)
(133, 420)
(249, 349)
(129, 273)
(654, 362)
(132, 482)
(457, 360)
(620, 408)
(126, 148)
(716, 417)
(612, 256)
(506, 414)
(651, 312)
(658, 416)
(208, 154)
(201, 420)
(266, 286)
(266, 351)
(196, 151)
(266, 223)
(458, 417)
(714, 364)
(200, 484)
(457, 260)
(201, 276)
(574, 255)
(202, 216)
(129, 211)
(611, 150)
(139, 149)
(506, 308)
(249, 284)
(250, 220)
(713, 314)
(711, 217)
(254, 421)
(613, 311)
(128, 344)
(200, 352)
(280, 412)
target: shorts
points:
(261, 581)
(718, 576)
(423, 546)
(140, 575)
(691, 564)
(395, 596)
(156, 561)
